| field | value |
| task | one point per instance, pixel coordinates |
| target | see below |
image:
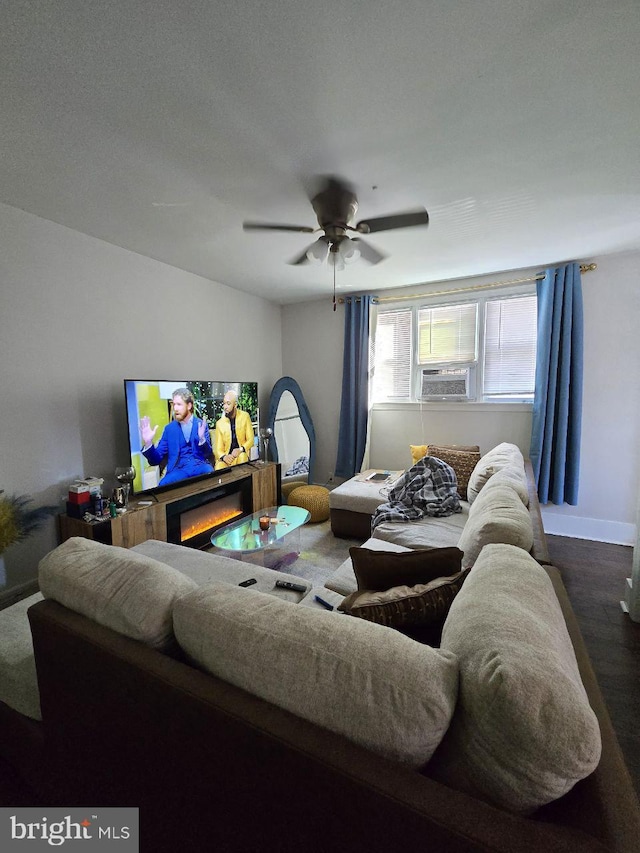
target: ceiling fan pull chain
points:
(334, 287)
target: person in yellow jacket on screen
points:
(234, 434)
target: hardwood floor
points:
(594, 574)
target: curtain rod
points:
(583, 269)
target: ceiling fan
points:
(335, 207)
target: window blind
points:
(510, 347)
(392, 359)
(447, 334)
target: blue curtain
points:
(354, 408)
(557, 407)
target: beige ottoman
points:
(315, 499)
(354, 502)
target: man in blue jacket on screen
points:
(185, 445)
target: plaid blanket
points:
(429, 488)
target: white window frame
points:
(481, 298)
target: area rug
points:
(321, 553)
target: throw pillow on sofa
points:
(523, 732)
(381, 570)
(129, 593)
(406, 606)
(419, 450)
(462, 460)
(363, 681)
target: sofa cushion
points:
(463, 462)
(366, 682)
(203, 567)
(499, 457)
(497, 516)
(359, 494)
(129, 593)
(425, 532)
(516, 477)
(523, 732)
(381, 570)
(406, 606)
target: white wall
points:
(312, 345)
(77, 316)
(393, 429)
(610, 465)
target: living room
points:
(123, 253)
(85, 304)
(80, 313)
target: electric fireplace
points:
(191, 521)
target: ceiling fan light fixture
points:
(336, 261)
(318, 251)
(349, 252)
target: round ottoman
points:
(287, 488)
(315, 499)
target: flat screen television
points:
(185, 429)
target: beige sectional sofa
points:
(502, 507)
(253, 719)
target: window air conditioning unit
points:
(450, 383)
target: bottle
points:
(112, 509)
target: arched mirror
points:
(294, 438)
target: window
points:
(510, 348)
(480, 349)
(447, 334)
(392, 355)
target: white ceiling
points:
(160, 125)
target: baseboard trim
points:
(594, 529)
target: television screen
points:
(189, 428)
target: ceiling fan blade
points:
(398, 220)
(261, 226)
(368, 252)
(302, 259)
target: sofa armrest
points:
(605, 803)
(539, 551)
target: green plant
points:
(17, 521)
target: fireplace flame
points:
(198, 521)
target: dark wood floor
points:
(594, 574)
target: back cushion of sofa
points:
(129, 593)
(498, 515)
(501, 456)
(523, 732)
(515, 477)
(367, 682)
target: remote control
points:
(248, 582)
(296, 587)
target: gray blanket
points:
(429, 487)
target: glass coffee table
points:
(274, 548)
